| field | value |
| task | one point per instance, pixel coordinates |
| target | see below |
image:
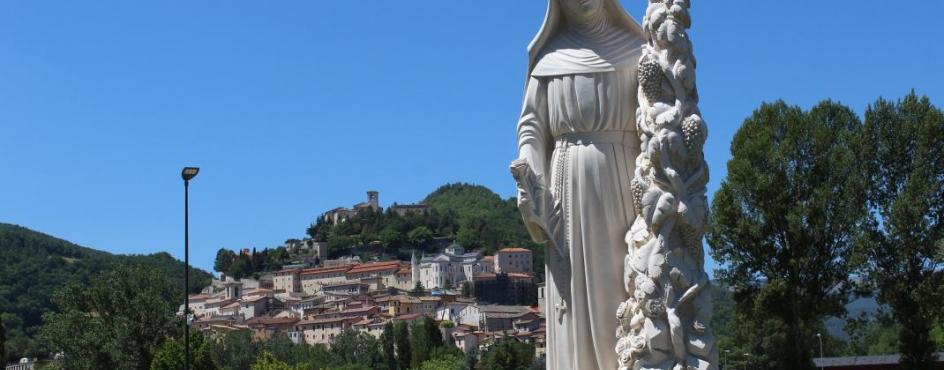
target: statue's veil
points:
(552, 22)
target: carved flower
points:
(638, 344)
(622, 310)
(654, 308)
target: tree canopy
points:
(35, 265)
(784, 223)
(902, 247)
(114, 322)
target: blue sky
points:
(295, 107)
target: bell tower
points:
(373, 199)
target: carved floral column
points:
(664, 323)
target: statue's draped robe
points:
(578, 133)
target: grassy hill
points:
(33, 265)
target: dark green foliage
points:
(3, 345)
(443, 361)
(508, 354)
(234, 351)
(471, 359)
(302, 356)
(237, 351)
(35, 264)
(905, 157)
(116, 321)
(425, 338)
(418, 290)
(401, 335)
(871, 335)
(170, 355)
(783, 224)
(224, 259)
(267, 361)
(252, 263)
(388, 346)
(354, 347)
(481, 219)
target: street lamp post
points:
(724, 363)
(820, 336)
(187, 174)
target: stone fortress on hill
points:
(318, 298)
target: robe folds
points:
(577, 138)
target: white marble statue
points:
(595, 151)
(577, 143)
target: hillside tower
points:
(373, 200)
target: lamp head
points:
(189, 173)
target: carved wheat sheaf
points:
(664, 323)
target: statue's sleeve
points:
(531, 168)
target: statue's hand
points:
(541, 214)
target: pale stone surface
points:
(610, 152)
(577, 145)
(664, 321)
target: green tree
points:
(401, 334)
(170, 355)
(508, 354)
(35, 265)
(234, 350)
(267, 361)
(420, 236)
(354, 347)
(387, 345)
(905, 157)
(115, 322)
(871, 335)
(304, 356)
(425, 339)
(448, 362)
(3, 344)
(471, 359)
(418, 290)
(784, 221)
(224, 259)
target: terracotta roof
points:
(489, 258)
(514, 250)
(254, 298)
(271, 320)
(328, 286)
(326, 270)
(375, 266)
(323, 320)
(519, 275)
(409, 316)
(199, 297)
(484, 276)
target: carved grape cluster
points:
(693, 133)
(650, 78)
(638, 190)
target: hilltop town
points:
(474, 298)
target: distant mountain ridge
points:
(33, 265)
